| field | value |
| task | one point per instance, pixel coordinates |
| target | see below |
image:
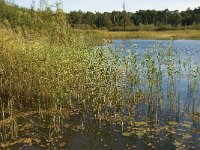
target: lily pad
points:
(186, 125)
(178, 144)
(173, 123)
(187, 136)
(127, 134)
(141, 123)
(140, 134)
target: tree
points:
(89, 18)
(76, 17)
(107, 22)
(175, 18)
(166, 14)
(115, 17)
(99, 20)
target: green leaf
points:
(187, 136)
(173, 123)
(127, 134)
(140, 134)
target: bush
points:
(84, 26)
(149, 27)
(194, 26)
(164, 27)
(127, 28)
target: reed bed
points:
(36, 74)
(49, 73)
(165, 35)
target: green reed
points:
(37, 74)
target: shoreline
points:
(151, 35)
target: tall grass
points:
(165, 35)
(39, 73)
(49, 73)
(57, 69)
(36, 72)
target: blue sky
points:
(110, 5)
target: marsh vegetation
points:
(60, 90)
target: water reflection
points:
(156, 105)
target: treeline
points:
(141, 20)
(115, 21)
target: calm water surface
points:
(187, 48)
(165, 125)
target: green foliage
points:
(44, 65)
(42, 59)
(114, 21)
(51, 66)
(41, 21)
(84, 26)
(143, 19)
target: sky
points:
(110, 5)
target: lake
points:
(164, 115)
(187, 48)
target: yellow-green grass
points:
(34, 70)
(175, 34)
(63, 73)
(59, 71)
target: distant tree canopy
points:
(115, 20)
(141, 17)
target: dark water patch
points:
(77, 132)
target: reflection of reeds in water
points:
(101, 83)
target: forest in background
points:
(56, 81)
(148, 20)
(140, 20)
